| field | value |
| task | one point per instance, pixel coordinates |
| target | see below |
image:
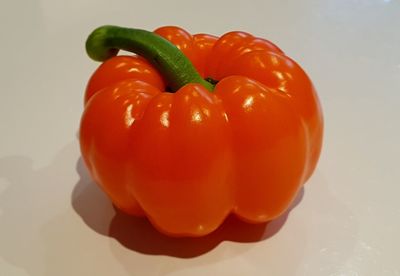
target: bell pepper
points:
(192, 128)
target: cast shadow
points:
(137, 234)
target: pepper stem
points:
(105, 42)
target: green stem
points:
(105, 42)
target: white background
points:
(55, 221)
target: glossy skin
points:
(188, 159)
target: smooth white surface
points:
(54, 221)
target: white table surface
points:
(55, 221)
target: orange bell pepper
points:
(196, 127)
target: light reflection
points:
(248, 103)
(200, 228)
(164, 119)
(120, 65)
(282, 87)
(128, 116)
(206, 111)
(274, 60)
(260, 62)
(282, 80)
(226, 116)
(134, 69)
(196, 116)
(236, 90)
(279, 75)
(289, 76)
(186, 98)
(115, 93)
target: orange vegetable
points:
(187, 134)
